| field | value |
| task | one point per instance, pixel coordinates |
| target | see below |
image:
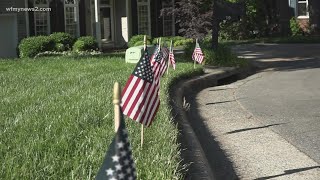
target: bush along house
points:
(111, 22)
(307, 13)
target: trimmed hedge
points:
(31, 46)
(64, 41)
(85, 43)
(177, 40)
(139, 43)
(182, 42)
(137, 40)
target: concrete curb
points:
(193, 147)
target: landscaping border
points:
(204, 160)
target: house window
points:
(41, 18)
(303, 8)
(71, 13)
(168, 21)
(144, 26)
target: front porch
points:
(106, 20)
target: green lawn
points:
(56, 119)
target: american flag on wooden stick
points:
(118, 162)
(197, 55)
(164, 60)
(140, 100)
(172, 60)
(159, 61)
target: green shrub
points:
(167, 39)
(62, 38)
(182, 42)
(31, 46)
(222, 56)
(85, 43)
(295, 27)
(188, 49)
(138, 38)
(59, 47)
(163, 40)
(139, 43)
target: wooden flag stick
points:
(145, 46)
(116, 102)
(159, 44)
(194, 63)
(145, 42)
(169, 62)
(142, 129)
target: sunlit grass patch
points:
(56, 119)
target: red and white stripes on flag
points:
(140, 100)
(172, 60)
(159, 62)
(197, 54)
(164, 61)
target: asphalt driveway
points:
(288, 93)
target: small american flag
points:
(118, 162)
(172, 60)
(159, 61)
(140, 100)
(164, 61)
(197, 54)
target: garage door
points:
(8, 36)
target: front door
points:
(105, 24)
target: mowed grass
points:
(56, 119)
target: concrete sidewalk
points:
(252, 145)
(255, 151)
(234, 143)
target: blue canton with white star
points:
(143, 69)
(158, 56)
(118, 163)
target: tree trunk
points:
(314, 9)
(215, 26)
